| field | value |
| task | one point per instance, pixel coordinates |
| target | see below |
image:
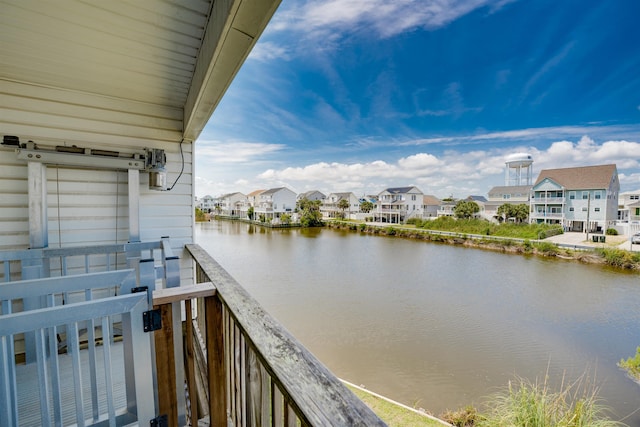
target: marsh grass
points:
(632, 365)
(534, 404)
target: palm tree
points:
(344, 205)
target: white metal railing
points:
(546, 215)
(86, 302)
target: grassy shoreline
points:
(613, 257)
(393, 413)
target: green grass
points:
(393, 415)
(484, 227)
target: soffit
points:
(172, 55)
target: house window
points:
(571, 209)
(506, 196)
(572, 195)
(637, 211)
(413, 197)
(585, 195)
(597, 209)
(634, 197)
(584, 209)
(598, 195)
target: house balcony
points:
(548, 215)
(548, 200)
(113, 335)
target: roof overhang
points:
(121, 71)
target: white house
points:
(430, 206)
(580, 199)
(274, 202)
(231, 204)
(629, 212)
(330, 207)
(312, 195)
(206, 203)
(500, 195)
(396, 205)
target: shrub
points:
(464, 417)
(617, 257)
(391, 231)
(612, 232)
(527, 404)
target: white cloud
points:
(457, 172)
(234, 151)
(267, 51)
(450, 172)
(329, 19)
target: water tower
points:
(519, 169)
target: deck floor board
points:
(28, 386)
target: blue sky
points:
(361, 95)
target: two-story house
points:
(231, 204)
(396, 205)
(312, 195)
(580, 199)
(206, 203)
(332, 206)
(629, 212)
(430, 206)
(274, 202)
(500, 195)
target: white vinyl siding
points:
(14, 202)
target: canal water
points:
(438, 326)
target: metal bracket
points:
(152, 320)
(159, 421)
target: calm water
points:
(438, 326)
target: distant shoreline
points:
(616, 258)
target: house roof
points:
(481, 199)
(343, 195)
(226, 196)
(431, 200)
(125, 72)
(585, 177)
(510, 189)
(273, 191)
(309, 193)
(255, 193)
(400, 190)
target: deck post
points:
(216, 362)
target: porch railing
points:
(238, 366)
(264, 376)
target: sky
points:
(363, 95)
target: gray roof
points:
(400, 190)
(271, 191)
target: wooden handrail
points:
(316, 396)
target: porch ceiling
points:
(168, 59)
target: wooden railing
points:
(260, 375)
(240, 366)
